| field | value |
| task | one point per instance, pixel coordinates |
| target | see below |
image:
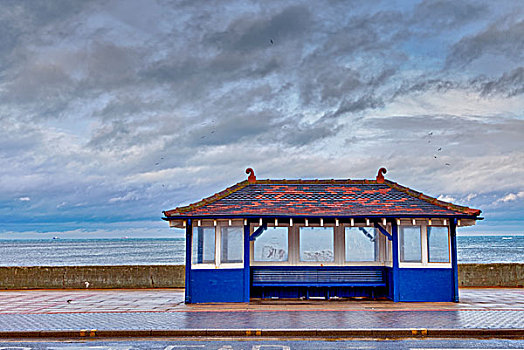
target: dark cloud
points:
(509, 84)
(254, 34)
(503, 38)
(423, 84)
(437, 15)
(19, 20)
(129, 107)
(359, 105)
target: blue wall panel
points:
(217, 285)
(425, 284)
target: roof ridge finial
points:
(380, 175)
(252, 178)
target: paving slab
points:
(94, 312)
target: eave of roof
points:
(186, 211)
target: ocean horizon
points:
(171, 251)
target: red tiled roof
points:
(321, 198)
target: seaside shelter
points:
(320, 239)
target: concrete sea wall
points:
(65, 277)
(491, 275)
(172, 276)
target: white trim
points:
(293, 247)
(380, 242)
(254, 262)
(449, 248)
(217, 225)
(218, 247)
(425, 264)
(214, 267)
(424, 243)
(315, 263)
(340, 245)
(203, 267)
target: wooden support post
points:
(189, 228)
(395, 270)
(247, 273)
(454, 262)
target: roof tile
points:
(319, 198)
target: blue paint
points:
(247, 254)
(314, 281)
(425, 284)
(395, 283)
(258, 232)
(217, 285)
(189, 229)
(454, 259)
(323, 292)
(394, 276)
(383, 231)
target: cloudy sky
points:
(112, 111)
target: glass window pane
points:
(232, 243)
(203, 247)
(316, 244)
(410, 245)
(438, 244)
(361, 244)
(272, 245)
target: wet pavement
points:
(163, 309)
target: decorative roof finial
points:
(252, 178)
(380, 175)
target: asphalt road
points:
(265, 344)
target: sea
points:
(171, 251)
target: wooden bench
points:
(318, 277)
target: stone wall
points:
(491, 275)
(137, 276)
(172, 276)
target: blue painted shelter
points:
(320, 239)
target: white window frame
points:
(449, 246)
(424, 247)
(296, 254)
(382, 242)
(203, 265)
(218, 224)
(385, 247)
(270, 263)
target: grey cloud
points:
(171, 105)
(359, 105)
(302, 134)
(111, 136)
(39, 84)
(457, 136)
(362, 34)
(109, 65)
(501, 38)
(509, 84)
(438, 15)
(423, 84)
(249, 34)
(19, 19)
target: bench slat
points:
(332, 277)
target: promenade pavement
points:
(486, 311)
